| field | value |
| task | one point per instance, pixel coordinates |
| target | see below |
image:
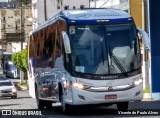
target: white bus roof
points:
(7, 53)
(86, 14)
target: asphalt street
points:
(25, 102)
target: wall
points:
(136, 11)
(155, 44)
(53, 7)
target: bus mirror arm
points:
(66, 42)
(145, 38)
(146, 44)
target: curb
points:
(147, 97)
(21, 88)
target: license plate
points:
(110, 96)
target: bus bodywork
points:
(9, 68)
(93, 53)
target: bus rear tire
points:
(48, 104)
(40, 103)
(122, 106)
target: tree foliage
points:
(25, 2)
(20, 60)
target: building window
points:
(4, 26)
(4, 19)
(66, 7)
(81, 6)
(58, 7)
(123, 1)
(74, 7)
(126, 11)
(29, 25)
(10, 16)
(16, 27)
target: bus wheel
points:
(48, 104)
(40, 103)
(122, 106)
(65, 107)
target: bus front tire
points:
(122, 106)
(66, 108)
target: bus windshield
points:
(109, 49)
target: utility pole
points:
(95, 3)
(21, 37)
(45, 10)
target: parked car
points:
(7, 89)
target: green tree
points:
(20, 61)
(25, 2)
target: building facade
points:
(14, 27)
(103, 3)
(45, 9)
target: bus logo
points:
(110, 88)
(110, 83)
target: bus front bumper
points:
(83, 97)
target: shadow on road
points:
(81, 111)
(144, 106)
(8, 105)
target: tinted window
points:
(5, 84)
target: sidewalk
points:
(147, 97)
(16, 81)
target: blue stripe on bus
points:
(96, 21)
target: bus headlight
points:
(137, 82)
(80, 86)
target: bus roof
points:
(7, 53)
(86, 14)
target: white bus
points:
(86, 57)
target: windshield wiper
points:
(119, 65)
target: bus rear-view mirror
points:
(144, 37)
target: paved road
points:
(24, 101)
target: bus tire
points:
(66, 108)
(122, 106)
(40, 103)
(48, 104)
